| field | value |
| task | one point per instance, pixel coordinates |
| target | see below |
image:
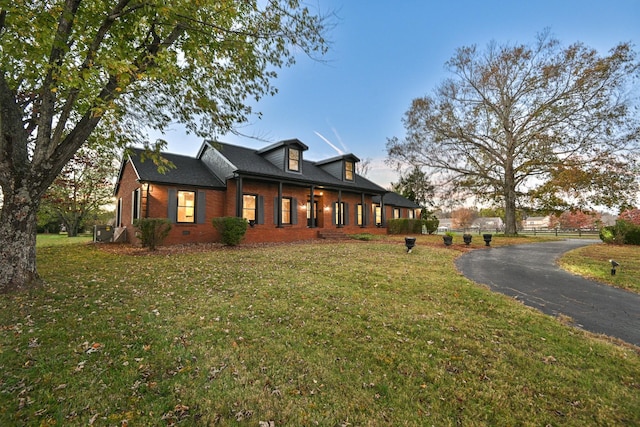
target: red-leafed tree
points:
(463, 217)
(576, 220)
(82, 188)
(631, 215)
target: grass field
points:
(594, 262)
(61, 239)
(354, 333)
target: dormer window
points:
(294, 160)
(348, 170)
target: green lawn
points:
(354, 333)
(593, 261)
(61, 239)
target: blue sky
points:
(384, 53)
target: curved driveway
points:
(529, 273)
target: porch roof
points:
(188, 171)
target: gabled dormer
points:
(341, 167)
(286, 155)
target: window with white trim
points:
(293, 162)
(348, 170)
(250, 207)
(186, 206)
(339, 213)
(287, 205)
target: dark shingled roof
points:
(395, 199)
(249, 162)
(188, 171)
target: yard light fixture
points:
(409, 242)
(614, 264)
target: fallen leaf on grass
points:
(91, 348)
(93, 419)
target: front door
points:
(312, 214)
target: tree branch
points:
(108, 22)
(48, 96)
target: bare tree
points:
(513, 119)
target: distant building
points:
(488, 224)
(536, 222)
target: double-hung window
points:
(377, 212)
(349, 170)
(339, 209)
(286, 210)
(186, 206)
(396, 213)
(135, 204)
(359, 214)
(249, 207)
(293, 163)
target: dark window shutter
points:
(365, 215)
(260, 207)
(294, 211)
(201, 205)
(172, 205)
(346, 213)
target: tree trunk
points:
(71, 223)
(510, 220)
(18, 228)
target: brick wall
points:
(223, 203)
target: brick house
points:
(283, 196)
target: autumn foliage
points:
(576, 220)
(631, 215)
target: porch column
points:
(279, 207)
(239, 196)
(312, 214)
(340, 219)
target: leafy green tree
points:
(513, 118)
(48, 220)
(73, 68)
(82, 188)
(415, 186)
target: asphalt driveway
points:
(529, 273)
